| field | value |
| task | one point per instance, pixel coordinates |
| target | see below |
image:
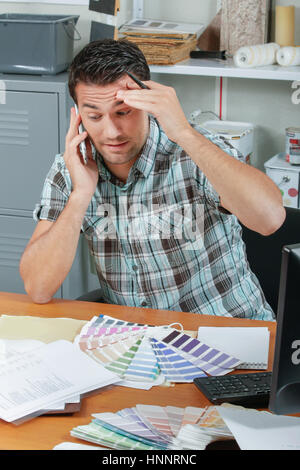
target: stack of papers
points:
(146, 25)
(46, 378)
(162, 42)
(149, 427)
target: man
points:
(159, 205)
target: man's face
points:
(117, 131)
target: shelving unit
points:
(218, 68)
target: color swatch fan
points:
(147, 427)
(142, 353)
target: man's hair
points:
(105, 61)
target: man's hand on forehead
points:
(126, 83)
(159, 100)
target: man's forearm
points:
(48, 259)
(245, 191)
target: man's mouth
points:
(117, 146)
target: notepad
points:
(250, 344)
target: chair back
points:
(264, 253)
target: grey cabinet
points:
(34, 119)
(15, 232)
(29, 134)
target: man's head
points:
(96, 74)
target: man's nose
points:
(111, 129)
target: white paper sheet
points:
(45, 376)
(142, 385)
(12, 347)
(260, 430)
(75, 446)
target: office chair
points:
(264, 256)
(92, 296)
(264, 253)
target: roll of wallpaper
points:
(285, 25)
(254, 56)
(288, 56)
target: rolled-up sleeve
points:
(55, 193)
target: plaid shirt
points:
(161, 240)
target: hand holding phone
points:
(82, 145)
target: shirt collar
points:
(145, 162)
(143, 165)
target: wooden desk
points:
(45, 432)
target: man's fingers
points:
(73, 144)
(143, 95)
(131, 85)
(75, 120)
(78, 139)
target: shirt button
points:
(144, 303)
(135, 267)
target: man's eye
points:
(94, 117)
(123, 113)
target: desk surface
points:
(45, 432)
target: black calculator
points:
(250, 389)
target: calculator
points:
(250, 389)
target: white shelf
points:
(220, 68)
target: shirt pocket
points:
(181, 221)
(173, 236)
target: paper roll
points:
(254, 56)
(288, 56)
(285, 26)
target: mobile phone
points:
(82, 145)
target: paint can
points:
(292, 145)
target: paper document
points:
(146, 25)
(75, 446)
(41, 378)
(11, 348)
(39, 328)
(250, 344)
(261, 430)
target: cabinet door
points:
(15, 233)
(80, 279)
(29, 140)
